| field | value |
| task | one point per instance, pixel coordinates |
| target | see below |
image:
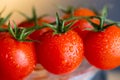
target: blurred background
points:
(49, 7)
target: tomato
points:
(80, 12)
(102, 48)
(84, 12)
(4, 26)
(40, 22)
(81, 25)
(35, 35)
(47, 19)
(60, 53)
(17, 59)
(26, 24)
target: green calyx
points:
(60, 26)
(20, 34)
(4, 20)
(111, 21)
(102, 19)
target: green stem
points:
(3, 20)
(34, 16)
(20, 34)
(101, 22)
(59, 26)
(58, 23)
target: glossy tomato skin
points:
(60, 53)
(102, 48)
(17, 59)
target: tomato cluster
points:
(58, 45)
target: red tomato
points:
(60, 53)
(37, 33)
(102, 48)
(40, 21)
(81, 12)
(81, 26)
(17, 59)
